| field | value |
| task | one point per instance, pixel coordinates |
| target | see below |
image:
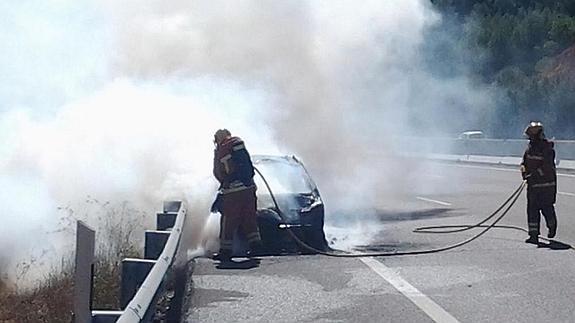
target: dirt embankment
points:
(562, 68)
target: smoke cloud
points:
(118, 101)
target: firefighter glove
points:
(217, 204)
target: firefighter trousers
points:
(535, 208)
(238, 211)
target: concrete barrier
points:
(489, 147)
(490, 151)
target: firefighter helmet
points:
(534, 130)
(221, 134)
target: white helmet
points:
(534, 130)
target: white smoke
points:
(138, 143)
(118, 100)
(344, 76)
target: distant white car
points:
(474, 134)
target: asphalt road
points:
(497, 278)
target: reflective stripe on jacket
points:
(232, 166)
(539, 163)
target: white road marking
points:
(433, 201)
(434, 311)
(501, 169)
(567, 194)
(485, 167)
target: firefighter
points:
(237, 193)
(538, 168)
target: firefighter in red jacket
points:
(237, 194)
(538, 168)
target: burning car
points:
(298, 198)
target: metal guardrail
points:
(137, 308)
(140, 308)
(563, 164)
(486, 151)
(565, 149)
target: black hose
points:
(430, 229)
(464, 227)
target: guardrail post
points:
(154, 243)
(172, 206)
(134, 272)
(165, 221)
(103, 316)
(83, 273)
(144, 280)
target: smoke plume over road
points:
(118, 101)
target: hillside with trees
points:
(525, 48)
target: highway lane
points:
(497, 278)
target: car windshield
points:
(284, 176)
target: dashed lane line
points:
(566, 194)
(433, 201)
(428, 306)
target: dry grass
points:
(107, 281)
(119, 227)
(51, 299)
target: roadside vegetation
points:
(50, 299)
(526, 48)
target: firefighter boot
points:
(552, 232)
(256, 248)
(223, 256)
(532, 239)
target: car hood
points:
(293, 205)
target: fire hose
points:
(505, 206)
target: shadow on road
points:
(242, 264)
(554, 245)
(342, 218)
(393, 247)
(417, 215)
